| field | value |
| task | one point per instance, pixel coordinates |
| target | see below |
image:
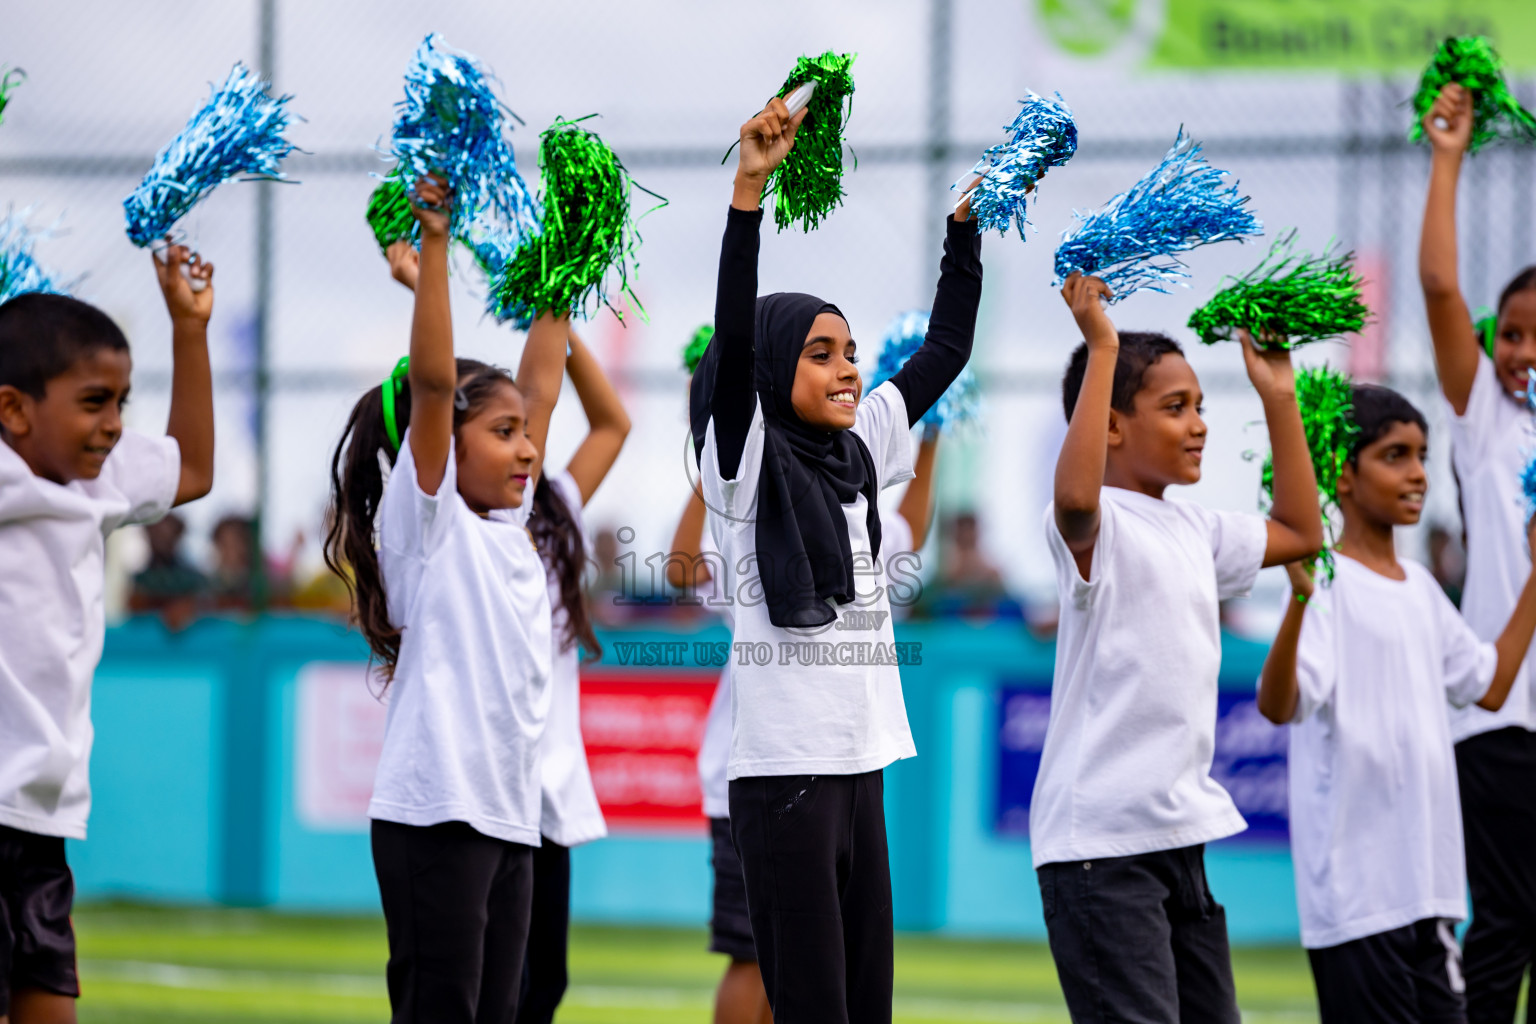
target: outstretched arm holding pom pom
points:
(191, 417)
(1448, 126)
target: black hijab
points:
(807, 475)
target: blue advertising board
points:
(1249, 761)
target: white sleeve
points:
(412, 522)
(1316, 661)
(881, 423)
(1238, 541)
(1070, 584)
(1469, 662)
(734, 498)
(146, 471)
(1473, 430)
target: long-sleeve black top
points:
(927, 373)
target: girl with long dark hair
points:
(450, 593)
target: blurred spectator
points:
(168, 584)
(236, 583)
(968, 584)
(605, 580)
(1447, 562)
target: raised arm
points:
(1450, 324)
(765, 141)
(191, 417)
(1080, 464)
(1279, 690)
(540, 374)
(1295, 519)
(917, 504)
(952, 325)
(687, 540)
(1515, 640)
(433, 375)
(607, 422)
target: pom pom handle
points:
(800, 98)
(159, 247)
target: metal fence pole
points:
(937, 145)
(267, 44)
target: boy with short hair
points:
(1124, 801)
(1364, 681)
(69, 475)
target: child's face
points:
(1162, 442)
(68, 433)
(827, 385)
(493, 453)
(1514, 344)
(1386, 483)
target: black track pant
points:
(1409, 975)
(813, 853)
(456, 906)
(545, 976)
(1497, 771)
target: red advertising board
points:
(643, 732)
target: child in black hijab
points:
(792, 463)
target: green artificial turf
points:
(172, 966)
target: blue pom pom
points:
(19, 270)
(960, 402)
(1528, 486)
(1132, 241)
(1042, 136)
(238, 131)
(1528, 396)
(451, 123)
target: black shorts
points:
(1409, 975)
(1139, 938)
(37, 941)
(730, 929)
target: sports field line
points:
(220, 979)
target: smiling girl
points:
(793, 456)
(1482, 375)
(454, 605)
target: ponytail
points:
(557, 535)
(357, 489)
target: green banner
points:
(1342, 35)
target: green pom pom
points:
(1471, 61)
(588, 232)
(1326, 400)
(389, 212)
(9, 80)
(808, 185)
(1292, 298)
(694, 350)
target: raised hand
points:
(1268, 368)
(404, 262)
(431, 205)
(181, 300)
(765, 141)
(1085, 296)
(1453, 109)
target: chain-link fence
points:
(306, 316)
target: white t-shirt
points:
(1126, 767)
(828, 701)
(1490, 445)
(571, 815)
(53, 620)
(715, 752)
(472, 686)
(1375, 815)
